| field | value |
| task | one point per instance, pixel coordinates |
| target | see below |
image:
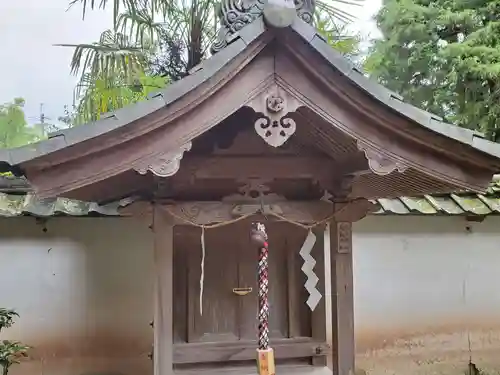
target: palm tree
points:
(162, 37)
(113, 75)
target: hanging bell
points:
(258, 234)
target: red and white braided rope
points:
(263, 298)
(263, 279)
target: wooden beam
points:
(274, 167)
(242, 351)
(163, 316)
(204, 212)
(352, 164)
(342, 298)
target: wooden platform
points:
(252, 370)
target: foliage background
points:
(442, 56)
(155, 42)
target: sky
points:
(33, 68)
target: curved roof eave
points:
(390, 99)
(115, 120)
(126, 115)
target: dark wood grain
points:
(241, 351)
(342, 298)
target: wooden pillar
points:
(318, 316)
(342, 298)
(163, 324)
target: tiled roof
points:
(467, 204)
(450, 204)
(12, 205)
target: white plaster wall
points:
(424, 288)
(84, 292)
(423, 285)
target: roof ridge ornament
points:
(236, 14)
(279, 13)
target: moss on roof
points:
(17, 200)
(451, 204)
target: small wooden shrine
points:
(275, 125)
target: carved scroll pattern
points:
(204, 213)
(274, 123)
(380, 164)
(165, 165)
(305, 10)
(235, 14)
(254, 190)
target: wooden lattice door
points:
(230, 263)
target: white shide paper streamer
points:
(308, 269)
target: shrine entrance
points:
(228, 292)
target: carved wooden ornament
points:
(234, 15)
(274, 124)
(380, 164)
(165, 165)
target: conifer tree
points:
(443, 56)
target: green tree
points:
(101, 95)
(185, 28)
(14, 129)
(155, 38)
(443, 56)
(338, 36)
(10, 351)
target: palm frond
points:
(336, 13)
(107, 69)
(166, 37)
(140, 26)
(97, 95)
(165, 8)
(118, 6)
(114, 54)
(193, 23)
